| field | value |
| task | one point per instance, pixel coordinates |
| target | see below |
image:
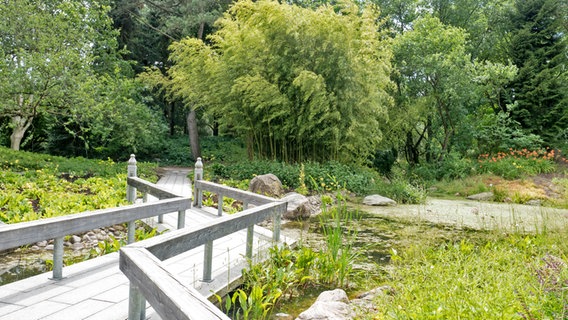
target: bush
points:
(401, 191)
(452, 167)
(517, 163)
(327, 177)
(38, 186)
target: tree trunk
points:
(20, 126)
(193, 134)
(192, 128)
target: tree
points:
(294, 83)
(538, 49)
(149, 26)
(434, 86)
(46, 51)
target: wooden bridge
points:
(175, 272)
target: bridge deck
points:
(97, 289)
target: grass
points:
(511, 276)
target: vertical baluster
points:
(219, 204)
(181, 219)
(136, 304)
(250, 238)
(198, 175)
(58, 259)
(131, 196)
(277, 221)
(207, 261)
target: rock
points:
(75, 239)
(283, 316)
(49, 247)
(77, 246)
(484, 196)
(267, 184)
(364, 303)
(301, 207)
(534, 202)
(35, 248)
(377, 200)
(42, 243)
(330, 305)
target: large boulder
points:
(301, 207)
(484, 196)
(377, 200)
(330, 305)
(267, 184)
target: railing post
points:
(58, 259)
(250, 238)
(277, 221)
(181, 219)
(136, 304)
(207, 261)
(198, 175)
(132, 172)
(219, 204)
(131, 196)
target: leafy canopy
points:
(295, 83)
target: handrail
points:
(167, 294)
(149, 283)
(237, 194)
(149, 280)
(23, 233)
(151, 188)
(181, 240)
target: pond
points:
(373, 237)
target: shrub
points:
(38, 186)
(517, 163)
(452, 167)
(326, 177)
(401, 191)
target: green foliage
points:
(512, 276)
(330, 176)
(384, 160)
(401, 191)
(40, 186)
(498, 133)
(453, 166)
(112, 120)
(538, 47)
(293, 83)
(43, 69)
(517, 163)
(435, 87)
(334, 262)
(289, 272)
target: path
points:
(477, 214)
(97, 289)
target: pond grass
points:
(491, 275)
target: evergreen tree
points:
(538, 48)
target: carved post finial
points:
(132, 171)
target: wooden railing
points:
(24, 233)
(170, 297)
